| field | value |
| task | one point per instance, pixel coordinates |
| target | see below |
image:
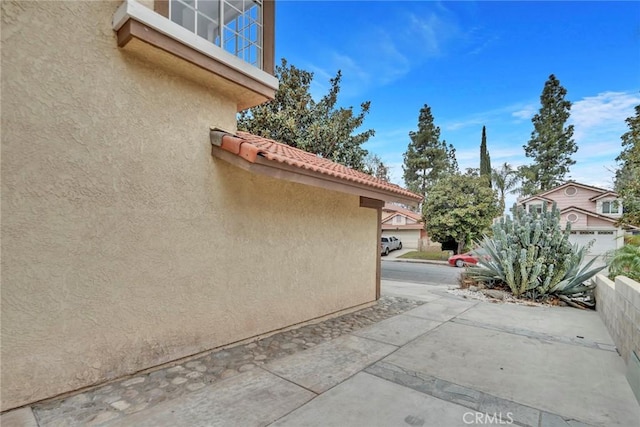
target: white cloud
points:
(484, 44)
(526, 112)
(472, 121)
(506, 153)
(607, 109)
(518, 110)
(597, 173)
(432, 31)
(375, 55)
(598, 149)
(389, 139)
(599, 122)
(464, 156)
(470, 158)
(395, 171)
(320, 83)
(394, 63)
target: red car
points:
(461, 260)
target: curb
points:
(416, 261)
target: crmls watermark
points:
(497, 418)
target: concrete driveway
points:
(397, 253)
(456, 362)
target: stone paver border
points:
(128, 396)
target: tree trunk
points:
(461, 244)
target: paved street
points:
(430, 274)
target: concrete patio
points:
(450, 362)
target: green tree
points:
(485, 159)
(505, 180)
(627, 182)
(460, 208)
(427, 158)
(295, 119)
(551, 144)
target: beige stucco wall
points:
(125, 244)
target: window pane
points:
(615, 206)
(209, 8)
(240, 21)
(232, 25)
(183, 15)
(231, 10)
(207, 29)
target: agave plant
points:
(574, 279)
(533, 256)
(625, 262)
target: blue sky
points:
(474, 63)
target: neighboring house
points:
(138, 226)
(591, 211)
(407, 226)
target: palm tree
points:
(505, 180)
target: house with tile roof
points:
(139, 227)
(408, 226)
(592, 212)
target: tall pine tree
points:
(427, 158)
(485, 160)
(551, 144)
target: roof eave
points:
(289, 173)
(530, 198)
(403, 227)
(588, 213)
(607, 194)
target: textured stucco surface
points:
(125, 244)
(619, 306)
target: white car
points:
(388, 244)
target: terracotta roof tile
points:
(248, 146)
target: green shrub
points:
(533, 256)
(632, 240)
(625, 262)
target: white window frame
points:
(218, 35)
(610, 205)
(131, 9)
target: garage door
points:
(409, 238)
(604, 240)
